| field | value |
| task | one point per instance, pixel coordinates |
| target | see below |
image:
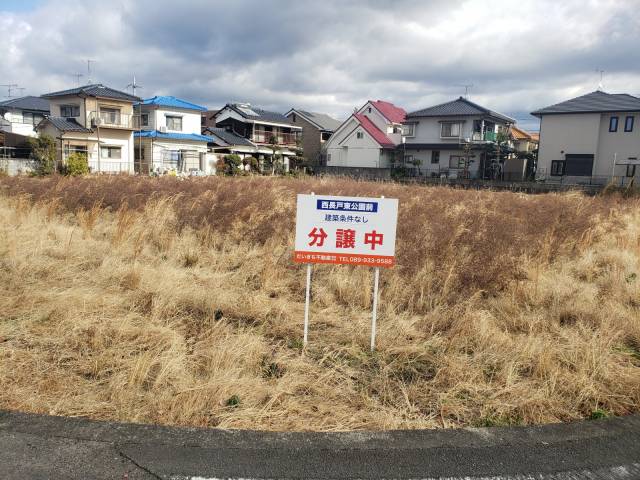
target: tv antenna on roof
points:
(467, 87)
(78, 77)
(89, 62)
(10, 87)
(601, 84)
(134, 85)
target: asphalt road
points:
(44, 447)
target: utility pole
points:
(134, 85)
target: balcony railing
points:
(282, 138)
(487, 137)
(111, 120)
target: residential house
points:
(21, 115)
(454, 139)
(270, 132)
(520, 165)
(590, 139)
(95, 120)
(317, 128)
(169, 138)
(367, 139)
(225, 142)
(208, 119)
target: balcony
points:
(282, 138)
(111, 120)
(487, 137)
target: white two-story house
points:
(590, 139)
(169, 138)
(367, 139)
(96, 121)
(454, 139)
(22, 115)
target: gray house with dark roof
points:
(590, 139)
(454, 139)
(261, 127)
(21, 115)
(317, 128)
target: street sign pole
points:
(306, 303)
(306, 306)
(374, 316)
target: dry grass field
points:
(177, 302)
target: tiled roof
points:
(66, 125)
(27, 103)
(172, 136)
(390, 111)
(458, 108)
(229, 138)
(95, 90)
(169, 101)
(518, 134)
(535, 137)
(254, 113)
(370, 127)
(324, 121)
(594, 102)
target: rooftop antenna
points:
(467, 87)
(89, 62)
(10, 86)
(134, 85)
(22, 89)
(601, 84)
(78, 77)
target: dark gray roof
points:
(228, 137)
(95, 90)
(594, 102)
(457, 108)
(27, 103)
(66, 125)
(324, 121)
(254, 113)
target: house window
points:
(631, 170)
(114, 153)
(138, 153)
(328, 158)
(31, 118)
(449, 130)
(110, 115)
(396, 130)
(144, 119)
(293, 118)
(435, 156)
(68, 111)
(408, 129)
(369, 110)
(174, 123)
(557, 168)
(408, 159)
(324, 136)
(613, 124)
(359, 135)
(456, 161)
(628, 124)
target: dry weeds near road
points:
(177, 302)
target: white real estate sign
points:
(346, 230)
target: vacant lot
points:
(177, 302)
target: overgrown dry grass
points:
(177, 302)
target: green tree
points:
(230, 164)
(77, 164)
(43, 153)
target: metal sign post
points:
(341, 230)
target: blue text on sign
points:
(347, 206)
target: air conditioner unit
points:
(163, 129)
(96, 122)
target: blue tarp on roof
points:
(172, 136)
(169, 101)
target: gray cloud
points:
(333, 55)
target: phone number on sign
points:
(366, 260)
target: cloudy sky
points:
(330, 55)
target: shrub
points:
(43, 152)
(77, 164)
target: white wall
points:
(16, 125)
(359, 152)
(426, 167)
(158, 159)
(567, 133)
(618, 145)
(428, 129)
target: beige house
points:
(590, 139)
(317, 128)
(95, 120)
